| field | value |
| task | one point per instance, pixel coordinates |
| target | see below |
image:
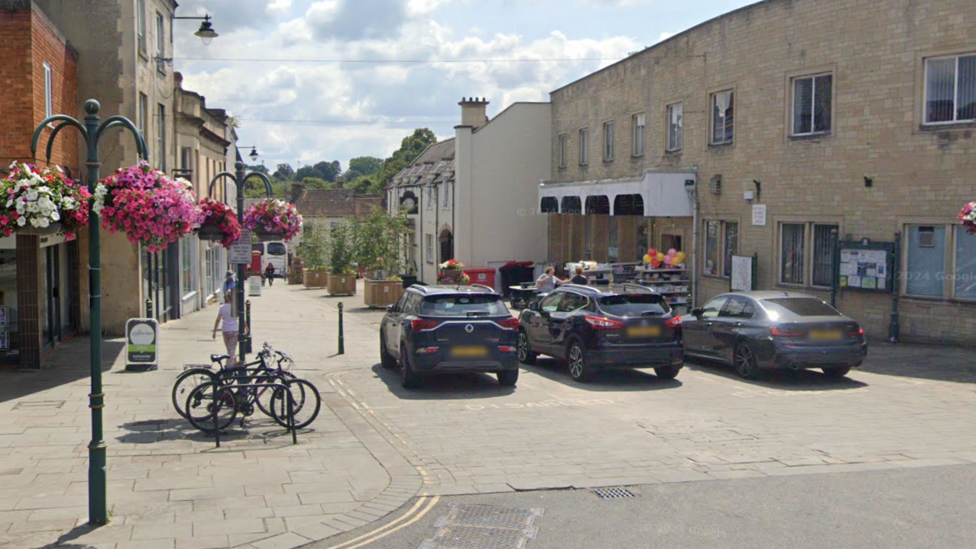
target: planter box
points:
(315, 279)
(342, 284)
(296, 276)
(451, 276)
(380, 293)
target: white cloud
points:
(417, 8)
(279, 5)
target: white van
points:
(276, 253)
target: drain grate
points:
(458, 536)
(489, 515)
(613, 493)
(39, 404)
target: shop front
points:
(615, 223)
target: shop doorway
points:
(53, 335)
(447, 245)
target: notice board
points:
(866, 266)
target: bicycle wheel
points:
(305, 407)
(202, 405)
(264, 395)
(186, 382)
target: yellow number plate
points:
(825, 334)
(644, 331)
(469, 352)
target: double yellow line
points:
(417, 512)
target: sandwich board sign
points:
(141, 344)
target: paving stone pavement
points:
(168, 486)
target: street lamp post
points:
(239, 178)
(92, 132)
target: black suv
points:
(591, 328)
(441, 329)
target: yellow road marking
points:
(379, 533)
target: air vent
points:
(715, 184)
(926, 237)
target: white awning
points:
(664, 193)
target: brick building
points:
(849, 115)
(39, 275)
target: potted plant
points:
(342, 277)
(312, 253)
(452, 272)
(41, 201)
(275, 219)
(296, 272)
(968, 217)
(219, 223)
(377, 240)
(145, 204)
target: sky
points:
(313, 80)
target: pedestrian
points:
(229, 282)
(547, 281)
(580, 278)
(269, 273)
(228, 325)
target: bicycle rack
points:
(291, 406)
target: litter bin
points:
(484, 276)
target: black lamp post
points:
(92, 132)
(239, 178)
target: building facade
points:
(793, 120)
(39, 275)
(470, 197)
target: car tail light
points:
(600, 323)
(673, 322)
(776, 332)
(427, 350)
(506, 348)
(421, 325)
(855, 333)
(509, 323)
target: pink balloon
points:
(672, 251)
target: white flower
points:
(55, 216)
(10, 203)
(32, 195)
(21, 221)
(56, 167)
(42, 222)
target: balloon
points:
(660, 257)
(672, 251)
(652, 252)
(656, 263)
(681, 256)
(647, 259)
(677, 262)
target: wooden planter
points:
(451, 276)
(315, 279)
(380, 293)
(296, 275)
(342, 284)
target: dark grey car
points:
(756, 331)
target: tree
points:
(410, 148)
(377, 242)
(313, 247)
(341, 249)
(328, 170)
(257, 168)
(317, 183)
(364, 165)
(284, 172)
(306, 171)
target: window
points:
(429, 247)
(964, 274)
(161, 137)
(635, 304)
(674, 126)
(141, 31)
(739, 307)
(812, 100)
(572, 302)
(950, 89)
(823, 255)
(721, 243)
(277, 249)
(584, 145)
(143, 114)
(722, 117)
(430, 198)
(48, 91)
(785, 307)
(186, 264)
(446, 191)
(463, 305)
(160, 42)
(563, 139)
(551, 302)
(186, 158)
(792, 252)
(714, 307)
(926, 261)
(608, 142)
(638, 122)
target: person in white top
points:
(228, 325)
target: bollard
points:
(149, 308)
(247, 323)
(342, 343)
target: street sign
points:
(141, 344)
(240, 250)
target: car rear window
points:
(800, 306)
(463, 305)
(634, 305)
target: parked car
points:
(756, 331)
(442, 329)
(600, 328)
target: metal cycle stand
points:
(291, 407)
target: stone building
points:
(790, 119)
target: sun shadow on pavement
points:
(68, 364)
(932, 362)
(608, 380)
(786, 380)
(152, 431)
(445, 387)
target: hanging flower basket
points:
(219, 223)
(968, 217)
(273, 219)
(41, 201)
(149, 207)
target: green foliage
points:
(284, 172)
(341, 249)
(312, 250)
(363, 165)
(317, 183)
(257, 168)
(410, 148)
(377, 242)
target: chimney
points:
(296, 191)
(339, 182)
(473, 112)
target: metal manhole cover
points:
(613, 493)
(489, 515)
(477, 537)
(39, 404)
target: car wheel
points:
(576, 357)
(839, 371)
(525, 355)
(508, 378)
(408, 378)
(745, 362)
(386, 359)
(667, 372)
